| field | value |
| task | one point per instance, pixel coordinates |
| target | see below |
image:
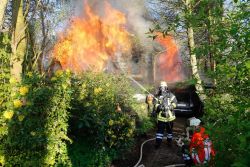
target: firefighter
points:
(164, 104)
(201, 147)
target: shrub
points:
(5, 50)
(96, 108)
(94, 113)
(37, 121)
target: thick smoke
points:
(136, 14)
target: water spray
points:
(142, 87)
(137, 83)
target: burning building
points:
(109, 42)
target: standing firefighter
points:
(164, 104)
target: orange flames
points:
(169, 64)
(91, 41)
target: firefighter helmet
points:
(163, 84)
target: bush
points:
(144, 122)
(227, 108)
(68, 120)
(94, 113)
(229, 126)
(37, 121)
(5, 50)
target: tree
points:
(3, 5)
(226, 42)
(227, 108)
(191, 44)
(19, 39)
(178, 16)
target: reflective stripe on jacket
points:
(171, 100)
(170, 117)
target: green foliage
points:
(94, 113)
(96, 108)
(227, 109)
(222, 35)
(37, 122)
(4, 86)
(5, 51)
(144, 122)
(83, 153)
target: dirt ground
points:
(152, 157)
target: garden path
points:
(152, 157)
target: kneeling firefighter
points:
(164, 104)
(201, 147)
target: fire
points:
(169, 63)
(91, 41)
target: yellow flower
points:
(24, 90)
(68, 72)
(13, 80)
(132, 123)
(53, 79)
(109, 132)
(20, 118)
(64, 86)
(142, 106)
(17, 103)
(33, 133)
(13, 94)
(97, 90)
(8, 114)
(130, 132)
(58, 73)
(2, 159)
(111, 122)
(84, 86)
(29, 74)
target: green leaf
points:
(248, 64)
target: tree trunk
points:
(3, 5)
(193, 60)
(19, 41)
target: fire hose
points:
(136, 165)
(141, 152)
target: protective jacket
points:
(164, 105)
(201, 147)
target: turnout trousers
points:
(161, 126)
